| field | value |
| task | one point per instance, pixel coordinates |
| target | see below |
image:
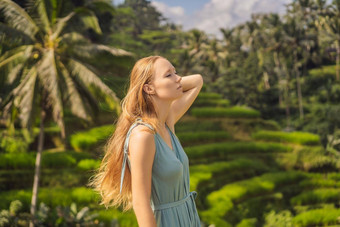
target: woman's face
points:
(166, 84)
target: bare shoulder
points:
(141, 142)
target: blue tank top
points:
(172, 202)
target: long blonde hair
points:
(136, 104)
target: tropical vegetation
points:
(265, 151)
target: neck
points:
(162, 108)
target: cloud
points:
(218, 14)
(229, 13)
(175, 14)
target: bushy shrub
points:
(57, 159)
(208, 95)
(322, 195)
(127, 219)
(223, 149)
(315, 158)
(10, 144)
(210, 218)
(303, 138)
(319, 181)
(317, 217)
(84, 141)
(17, 161)
(202, 172)
(49, 159)
(13, 216)
(192, 126)
(282, 218)
(221, 201)
(204, 136)
(211, 103)
(249, 222)
(88, 164)
(233, 112)
(52, 197)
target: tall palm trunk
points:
(37, 167)
(287, 97)
(278, 66)
(337, 60)
(297, 74)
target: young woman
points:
(155, 180)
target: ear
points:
(148, 89)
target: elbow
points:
(200, 80)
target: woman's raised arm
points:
(191, 87)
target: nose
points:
(179, 78)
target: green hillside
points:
(247, 171)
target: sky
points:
(211, 15)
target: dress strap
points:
(126, 145)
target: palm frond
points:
(40, 7)
(11, 34)
(61, 24)
(19, 53)
(88, 77)
(75, 101)
(89, 19)
(27, 96)
(103, 6)
(90, 49)
(48, 75)
(74, 38)
(14, 73)
(9, 98)
(17, 18)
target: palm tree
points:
(302, 36)
(329, 23)
(50, 69)
(193, 46)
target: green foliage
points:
(88, 164)
(57, 160)
(226, 148)
(126, 219)
(319, 181)
(204, 136)
(315, 158)
(249, 222)
(17, 161)
(52, 197)
(221, 201)
(192, 126)
(11, 217)
(303, 138)
(210, 103)
(49, 159)
(45, 216)
(13, 144)
(208, 96)
(233, 112)
(282, 218)
(202, 172)
(322, 195)
(317, 217)
(84, 141)
(322, 119)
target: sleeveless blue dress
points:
(172, 202)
